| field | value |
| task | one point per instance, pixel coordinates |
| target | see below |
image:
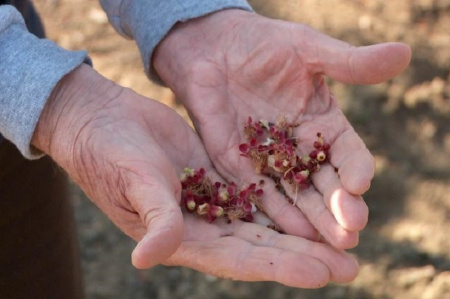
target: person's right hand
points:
(126, 152)
(232, 64)
(252, 252)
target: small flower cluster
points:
(213, 200)
(271, 148)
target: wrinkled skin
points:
(234, 64)
(126, 151)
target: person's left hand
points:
(233, 64)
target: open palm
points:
(239, 64)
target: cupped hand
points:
(252, 252)
(234, 64)
(126, 153)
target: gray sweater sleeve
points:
(30, 67)
(148, 21)
(29, 70)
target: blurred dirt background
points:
(405, 250)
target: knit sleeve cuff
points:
(148, 22)
(29, 70)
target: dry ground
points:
(405, 250)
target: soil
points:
(405, 250)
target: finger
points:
(355, 164)
(355, 65)
(230, 257)
(158, 208)
(350, 210)
(361, 65)
(288, 217)
(343, 267)
(312, 204)
(263, 220)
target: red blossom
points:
(274, 152)
(271, 147)
(214, 200)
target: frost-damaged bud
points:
(190, 203)
(305, 159)
(264, 124)
(224, 195)
(203, 209)
(271, 161)
(321, 156)
(216, 211)
(189, 171)
(186, 174)
(183, 177)
(304, 173)
(212, 211)
(302, 179)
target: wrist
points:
(68, 109)
(189, 43)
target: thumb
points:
(360, 65)
(161, 213)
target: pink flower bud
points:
(231, 189)
(247, 207)
(244, 148)
(259, 192)
(313, 154)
